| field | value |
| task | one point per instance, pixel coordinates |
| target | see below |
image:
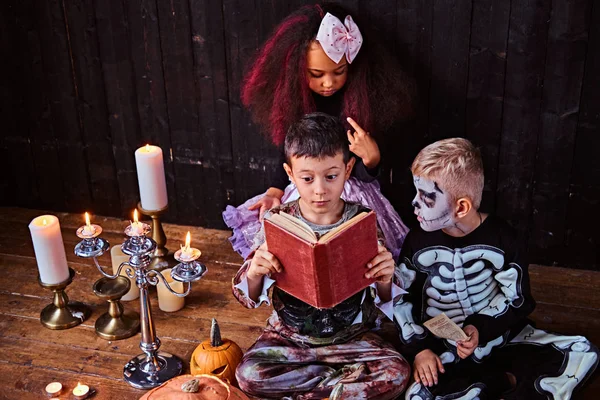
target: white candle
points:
(186, 251)
(88, 229)
(167, 301)
(151, 177)
(117, 257)
(49, 249)
(53, 389)
(81, 391)
(136, 229)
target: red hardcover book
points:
(322, 272)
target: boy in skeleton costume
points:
(470, 266)
(310, 353)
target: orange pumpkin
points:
(200, 387)
(216, 356)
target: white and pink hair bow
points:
(338, 39)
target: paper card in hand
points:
(443, 327)
(322, 272)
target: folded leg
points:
(365, 368)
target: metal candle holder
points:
(160, 259)
(62, 313)
(152, 368)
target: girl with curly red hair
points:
(317, 59)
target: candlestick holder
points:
(152, 368)
(62, 313)
(160, 256)
(117, 323)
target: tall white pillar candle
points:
(117, 257)
(167, 301)
(49, 249)
(151, 177)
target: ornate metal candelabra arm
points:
(153, 277)
(153, 367)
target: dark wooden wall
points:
(84, 83)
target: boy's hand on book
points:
(426, 366)
(381, 267)
(263, 263)
(270, 200)
(363, 145)
(465, 348)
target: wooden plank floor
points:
(32, 356)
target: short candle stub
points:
(53, 389)
(81, 391)
(187, 254)
(88, 232)
(137, 229)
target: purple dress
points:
(246, 225)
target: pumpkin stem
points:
(215, 334)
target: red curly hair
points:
(276, 90)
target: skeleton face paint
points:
(432, 205)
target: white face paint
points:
(432, 205)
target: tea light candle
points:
(167, 301)
(187, 253)
(137, 228)
(81, 391)
(49, 249)
(88, 229)
(117, 257)
(53, 389)
(151, 177)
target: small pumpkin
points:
(200, 387)
(216, 356)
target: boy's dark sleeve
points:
(516, 299)
(407, 311)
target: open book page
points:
(294, 225)
(339, 229)
(443, 327)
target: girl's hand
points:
(271, 199)
(465, 348)
(363, 145)
(426, 366)
(263, 263)
(381, 266)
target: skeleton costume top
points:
(481, 279)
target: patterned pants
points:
(366, 368)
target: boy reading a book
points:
(469, 265)
(307, 352)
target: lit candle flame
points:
(44, 222)
(87, 220)
(148, 148)
(135, 216)
(187, 241)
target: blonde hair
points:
(455, 164)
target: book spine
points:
(323, 280)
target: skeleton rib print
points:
(466, 281)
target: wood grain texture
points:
(485, 91)
(526, 55)
(91, 81)
(563, 80)
(33, 356)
